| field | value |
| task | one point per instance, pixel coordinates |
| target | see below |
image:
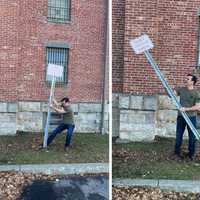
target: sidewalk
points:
(175, 185)
(85, 168)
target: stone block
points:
(30, 121)
(136, 102)
(166, 116)
(150, 117)
(150, 103)
(75, 107)
(7, 117)
(89, 107)
(166, 129)
(165, 103)
(138, 134)
(132, 116)
(8, 130)
(124, 102)
(85, 128)
(3, 107)
(137, 127)
(29, 106)
(7, 124)
(88, 122)
(88, 118)
(44, 106)
(12, 107)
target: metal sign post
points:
(54, 71)
(142, 45)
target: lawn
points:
(23, 149)
(153, 161)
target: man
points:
(190, 100)
(68, 121)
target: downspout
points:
(106, 61)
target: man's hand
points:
(193, 108)
(183, 109)
(175, 92)
(51, 106)
(58, 110)
(54, 101)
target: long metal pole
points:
(49, 112)
(171, 93)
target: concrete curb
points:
(91, 168)
(175, 185)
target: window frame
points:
(55, 45)
(63, 20)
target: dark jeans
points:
(180, 128)
(59, 129)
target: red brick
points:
(173, 27)
(24, 32)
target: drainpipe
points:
(105, 69)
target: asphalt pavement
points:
(73, 188)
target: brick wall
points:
(8, 49)
(24, 33)
(118, 20)
(173, 27)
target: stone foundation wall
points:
(141, 118)
(8, 118)
(31, 117)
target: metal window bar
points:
(57, 56)
(59, 10)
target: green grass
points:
(23, 149)
(152, 161)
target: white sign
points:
(141, 44)
(55, 70)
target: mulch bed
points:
(140, 193)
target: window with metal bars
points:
(58, 56)
(59, 10)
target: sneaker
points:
(66, 148)
(177, 157)
(40, 147)
(188, 155)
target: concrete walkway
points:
(175, 185)
(90, 168)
